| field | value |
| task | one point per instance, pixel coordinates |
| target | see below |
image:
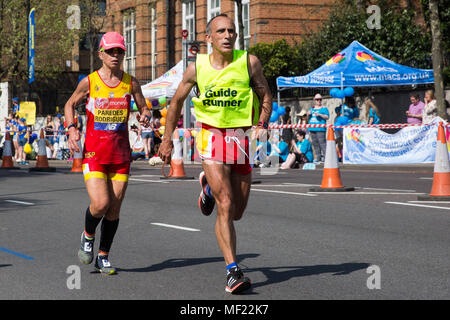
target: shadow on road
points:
(5, 265)
(186, 262)
(277, 275)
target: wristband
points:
(70, 126)
(263, 124)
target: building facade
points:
(153, 28)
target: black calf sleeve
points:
(91, 222)
(109, 229)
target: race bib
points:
(111, 114)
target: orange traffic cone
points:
(176, 164)
(7, 162)
(441, 177)
(77, 165)
(41, 159)
(331, 180)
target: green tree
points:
(444, 17)
(399, 39)
(278, 59)
(53, 41)
(93, 19)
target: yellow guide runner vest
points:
(226, 99)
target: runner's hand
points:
(259, 133)
(74, 137)
(165, 150)
(144, 119)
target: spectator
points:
(318, 114)
(9, 124)
(155, 123)
(303, 120)
(48, 149)
(147, 139)
(15, 105)
(372, 112)
(49, 130)
(79, 121)
(279, 148)
(15, 137)
(340, 120)
(414, 113)
(300, 153)
(286, 118)
(138, 147)
(430, 109)
(349, 109)
(60, 137)
(260, 157)
(22, 132)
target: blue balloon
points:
(274, 106)
(349, 91)
(274, 116)
(281, 111)
(340, 94)
(333, 92)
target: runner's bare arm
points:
(81, 92)
(174, 111)
(144, 112)
(261, 87)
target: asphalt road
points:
(377, 242)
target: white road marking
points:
(418, 205)
(426, 178)
(300, 184)
(143, 180)
(417, 201)
(369, 193)
(174, 226)
(285, 192)
(145, 175)
(20, 202)
(400, 190)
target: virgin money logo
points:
(101, 102)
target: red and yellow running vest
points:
(108, 110)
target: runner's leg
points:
(240, 185)
(219, 180)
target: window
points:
(85, 43)
(129, 30)
(246, 21)
(213, 10)
(189, 18)
(102, 7)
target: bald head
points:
(220, 16)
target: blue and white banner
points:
(31, 33)
(374, 146)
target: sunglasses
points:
(318, 99)
(111, 51)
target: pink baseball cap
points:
(112, 40)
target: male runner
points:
(107, 152)
(225, 108)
